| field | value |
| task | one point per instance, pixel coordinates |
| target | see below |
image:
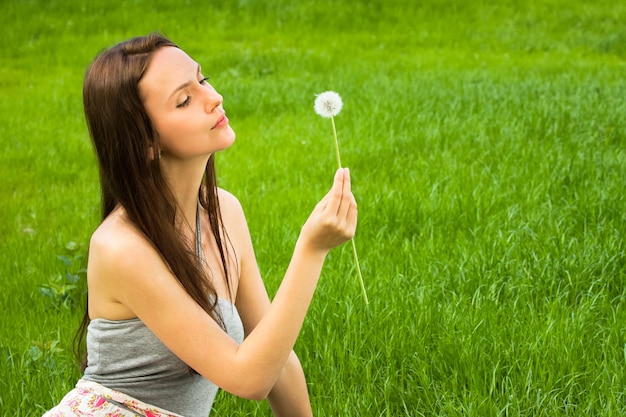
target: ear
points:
(154, 152)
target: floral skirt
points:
(90, 399)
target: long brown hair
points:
(122, 135)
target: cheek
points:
(186, 138)
(171, 132)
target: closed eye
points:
(188, 99)
(184, 103)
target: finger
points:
(346, 195)
(321, 205)
(351, 219)
(336, 192)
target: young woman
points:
(176, 304)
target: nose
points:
(213, 100)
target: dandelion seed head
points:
(328, 104)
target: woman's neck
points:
(184, 179)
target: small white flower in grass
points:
(328, 104)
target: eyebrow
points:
(183, 85)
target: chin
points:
(227, 141)
(232, 137)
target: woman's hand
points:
(333, 220)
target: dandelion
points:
(328, 104)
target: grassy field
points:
(487, 145)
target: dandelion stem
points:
(332, 119)
(356, 257)
(358, 270)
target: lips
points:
(223, 120)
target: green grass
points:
(487, 147)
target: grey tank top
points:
(126, 356)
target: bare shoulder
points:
(229, 203)
(118, 239)
(231, 211)
(121, 261)
(236, 225)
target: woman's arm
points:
(141, 281)
(290, 396)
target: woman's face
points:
(185, 109)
